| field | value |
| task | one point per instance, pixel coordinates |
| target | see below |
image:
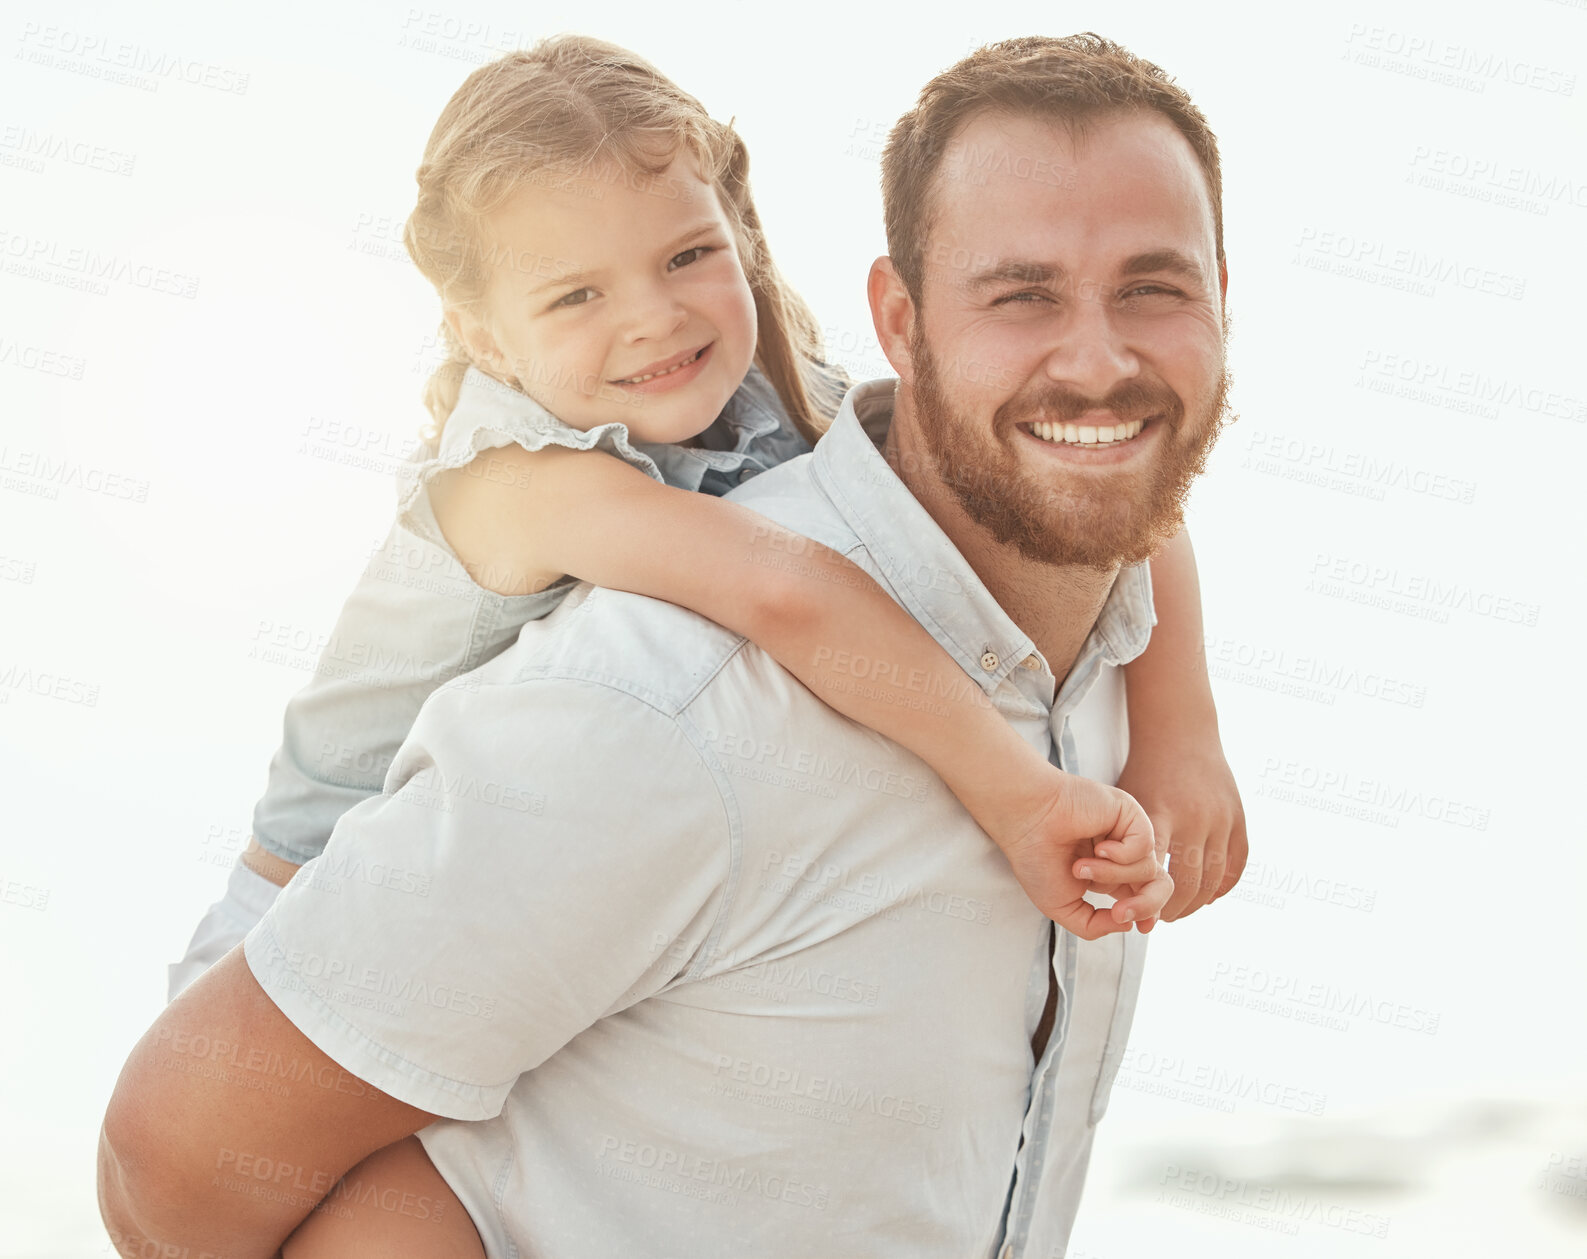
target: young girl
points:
(618, 333)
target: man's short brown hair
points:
(1070, 80)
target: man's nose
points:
(1091, 353)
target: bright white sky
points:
(1359, 142)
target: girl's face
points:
(616, 297)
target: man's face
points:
(1068, 353)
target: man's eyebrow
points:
(1014, 271)
(1166, 260)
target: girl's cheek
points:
(723, 283)
(742, 303)
(574, 348)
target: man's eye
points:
(1024, 298)
(1150, 290)
(690, 255)
(576, 298)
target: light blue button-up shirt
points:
(698, 967)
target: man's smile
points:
(1084, 434)
(1092, 443)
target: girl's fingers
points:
(1147, 900)
(1134, 842)
(1112, 873)
(1122, 851)
(1089, 922)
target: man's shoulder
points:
(653, 652)
(789, 495)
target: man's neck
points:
(1055, 605)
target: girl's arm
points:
(552, 512)
(1176, 767)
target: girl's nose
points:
(657, 316)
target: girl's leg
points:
(248, 895)
(393, 1205)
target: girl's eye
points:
(690, 255)
(576, 298)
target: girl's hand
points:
(1081, 836)
(1190, 795)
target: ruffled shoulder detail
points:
(489, 415)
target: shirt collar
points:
(925, 569)
(744, 419)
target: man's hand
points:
(1188, 791)
(1086, 837)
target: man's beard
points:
(1093, 518)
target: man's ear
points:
(893, 315)
(478, 340)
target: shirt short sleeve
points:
(539, 848)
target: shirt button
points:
(1007, 1251)
(989, 661)
(1030, 662)
(745, 474)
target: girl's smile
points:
(668, 373)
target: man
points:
(666, 1014)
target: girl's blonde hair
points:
(547, 113)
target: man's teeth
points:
(1086, 434)
(639, 380)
